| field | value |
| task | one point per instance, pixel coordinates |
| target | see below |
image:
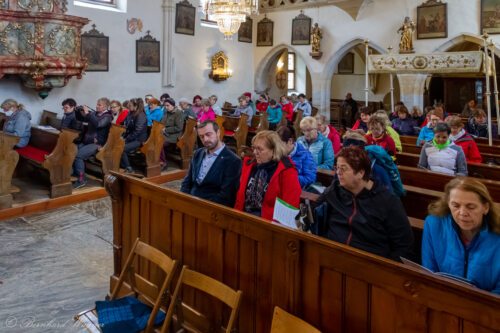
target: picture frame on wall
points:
(95, 48)
(147, 54)
(265, 31)
(490, 16)
(185, 18)
(301, 30)
(432, 20)
(346, 64)
(245, 32)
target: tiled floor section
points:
(54, 265)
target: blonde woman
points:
(268, 175)
(18, 121)
(462, 234)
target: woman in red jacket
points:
(378, 135)
(262, 104)
(329, 132)
(464, 140)
(269, 175)
(287, 108)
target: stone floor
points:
(54, 265)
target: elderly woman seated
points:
(267, 176)
(442, 155)
(462, 234)
(362, 212)
(318, 145)
(18, 121)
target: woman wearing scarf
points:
(463, 139)
(441, 155)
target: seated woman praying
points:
(442, 155)
(462, 234)
(269, 175)
(363, 213)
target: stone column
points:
(168, 72)
(321, 93)
(411, 89)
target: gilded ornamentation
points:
(61, 39)
(406, 42)
(41, 5)
(220, 67)
(449, 62)
(24, 42)
(4, 4)
(316, 36)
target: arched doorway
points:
(283, 71)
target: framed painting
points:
(490, 16)
(185, 17)
(95, 48)
(301, 30)
(265, 30)
(346, 65)
(147, 55)
(245, 31)
(432, 20)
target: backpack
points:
(380, 157)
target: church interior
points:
(249, 165)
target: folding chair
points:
(283, 322)
(144, 290)
(191, 320)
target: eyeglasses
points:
(308, 130)
(341, 169)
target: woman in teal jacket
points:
(462, 235)
(274, 114)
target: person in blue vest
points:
(462, 235)
(427, 132)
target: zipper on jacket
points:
(348, 241)
(466, 261)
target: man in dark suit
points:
(214, 172)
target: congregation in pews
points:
(361, 203)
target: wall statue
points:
(406, 30)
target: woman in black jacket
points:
(135, 132)
(362, 213)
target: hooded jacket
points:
(304, 162)
(472, 154)
(98, 128)
(426, 134)
(284, 184)
(274, 114)
(443, 251)
(321, 149)
(135, 127)
(19, 124)
(374, 220)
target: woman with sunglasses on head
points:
(363, 213)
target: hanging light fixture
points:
(229, 14)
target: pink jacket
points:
(204, 116)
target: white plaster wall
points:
(300, 75)
(191, 55)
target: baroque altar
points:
(40, 44)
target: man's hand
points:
(86, 110)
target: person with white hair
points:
(185, 106)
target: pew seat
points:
(8, 161)
(108, 157)
(54, 152)
(236, 131)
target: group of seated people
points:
(360, 210)
(362, 204)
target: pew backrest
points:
(187, 142)
(297, 118)
(110, 154)
(152, 149)
(8, 161)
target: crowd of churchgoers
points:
(361, 207)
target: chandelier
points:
(229, 14)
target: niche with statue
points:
(220, 67)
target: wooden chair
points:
(143, 289)
(8, 161)
(191, 320)
(283, 322)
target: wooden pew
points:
(187, 142)
(108, 157)
(151, 149)
(220, 122)
(54, 152)
(334, 287)
(3, 119)
(297, 117)
(236, 128)
(482, 146)
(49, 118)
(412, 149)
(259, 123)
(475, 170)
(8, 161)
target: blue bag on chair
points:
(125, 315)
